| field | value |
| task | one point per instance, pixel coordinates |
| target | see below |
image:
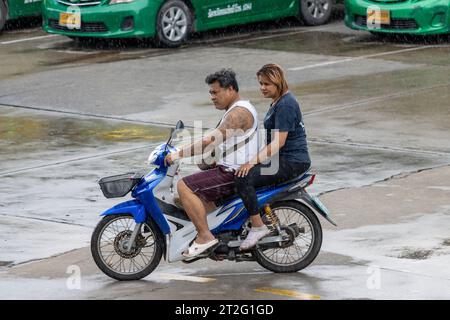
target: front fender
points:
(133, 207)
(137, 210)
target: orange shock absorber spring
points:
(271, 217)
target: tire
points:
(76, 39)
(263, 256)
(82, 40)
(3, 14)
(383, 35)
(98, 248)
(315, 12)
(173, 25)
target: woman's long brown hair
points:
(275, 74)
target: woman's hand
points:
(243, 170)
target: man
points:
(237, 130)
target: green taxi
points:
(170, 21)
(420, 17)
(13, 9)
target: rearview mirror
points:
(179, 126)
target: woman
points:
(286, 138)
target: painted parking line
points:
(77, 52)
(357, 103)
(288, 293)
(88, 115)
(27, 39)
(9, 216)
(74, 160)
(240, 273)
(367, 56)
(378, 147)
(170, 276)
(277, 35)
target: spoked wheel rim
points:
(317, 8)
(301, 245)
(174, 24)
(112, 245)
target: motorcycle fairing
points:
(133, 207)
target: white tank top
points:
(234, 159)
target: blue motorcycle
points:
(131, 238)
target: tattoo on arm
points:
(236, 122)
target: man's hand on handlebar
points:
(170, 158)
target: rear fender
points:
(304, 198)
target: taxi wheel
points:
(174, 23)
(81, 40)
(3, 14)
(382, 35)
(315, 12)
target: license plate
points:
(377, 16)
(70, 20)
(320, 205)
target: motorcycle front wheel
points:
(110, 240)
(306, 239)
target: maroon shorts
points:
(212, 184)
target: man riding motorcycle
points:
(237, 131)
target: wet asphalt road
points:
(71, 113)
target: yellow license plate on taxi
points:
(70, 20)
(377, 16)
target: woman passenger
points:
(285, 140)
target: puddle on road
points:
(416, 254)
(339, 44)
(32, 140)
(418, 121)
(434, 56)
(413, 245)
(323, 43)
(27, 57)
(70, 132)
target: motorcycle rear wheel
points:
(107, 248)
(306, 245)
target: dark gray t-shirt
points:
(286, 116)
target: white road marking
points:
(380, 98)
(46, 220)
(442, 188)
(378, 147)
(170, 276)
(83, 158)
(77, 52)
(240, 273)
(277, 35)
(367, 56)
(27, 39)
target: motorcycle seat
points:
(305, 175)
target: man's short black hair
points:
(225, 77)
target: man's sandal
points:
(196, 248)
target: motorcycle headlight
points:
(152, 157)
(120, 1)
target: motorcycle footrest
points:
(272, 239)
